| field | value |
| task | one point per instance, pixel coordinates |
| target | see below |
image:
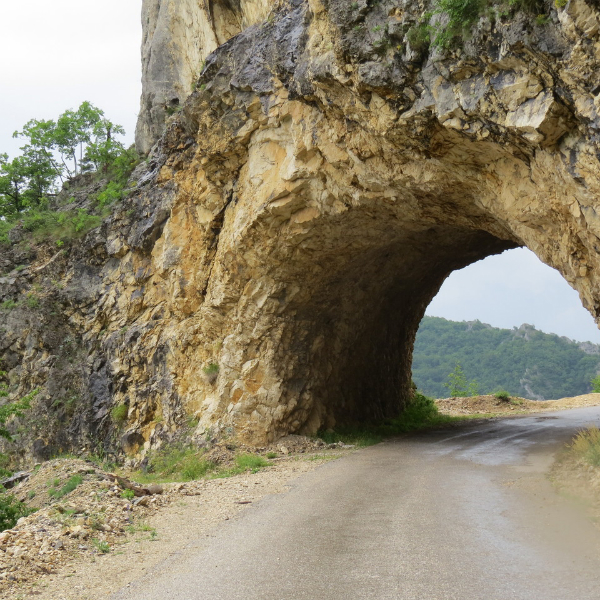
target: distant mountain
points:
(523, 361)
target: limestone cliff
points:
(177, 36)
(300, 211)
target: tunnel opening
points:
(513, 324)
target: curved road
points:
(459, 514)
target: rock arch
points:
(315, 191)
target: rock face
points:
(177, 36)
(299, 213)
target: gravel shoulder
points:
(139, 539)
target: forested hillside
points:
(524, 361)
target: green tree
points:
(595, 381)
(459, 385)
(103, 149)
(79, 140)
(13, 183)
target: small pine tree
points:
(459, 385)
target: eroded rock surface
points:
(177, 36)
(305, 205)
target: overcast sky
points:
(56, 54)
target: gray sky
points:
(512, 288)
(58, 53)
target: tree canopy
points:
(523, 361)
(78, 141)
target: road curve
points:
(456, 514)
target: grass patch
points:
(8, 305)
(243, 463)
(175, 464)
(102, 547)
(420, 413)
(586, 446)
(250, 461)
(71, 484)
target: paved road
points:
(463, 514)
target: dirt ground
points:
(489, 406)
(95, 541)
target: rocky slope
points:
(331, 168)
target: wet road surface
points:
(463, 513)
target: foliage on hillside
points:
(57, 155)
(525, 362)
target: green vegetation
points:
(458, 384)
(211, 369)
(515, 360)
(250, 462)
(271, 454)
(420, 413)
(185, 463)
(176, 464)
(457, 17)
(12, 409)
(54, 152)
(71, 484)
(243, 463)
(502, 395)
(101, 546)
(11, 510)
(461, 14)
(128, 494)
(119, 414)
(8, 305)
(419, 36)
(595, 381)
(586, 446)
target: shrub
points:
(502, 395)
(11, 409)
(58, 226)
(11, 510)
(119, 413)
(595, 381)
(128, 494)
(461, 15)
(419, 37)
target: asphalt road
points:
(463, 514)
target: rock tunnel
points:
(307, 203)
